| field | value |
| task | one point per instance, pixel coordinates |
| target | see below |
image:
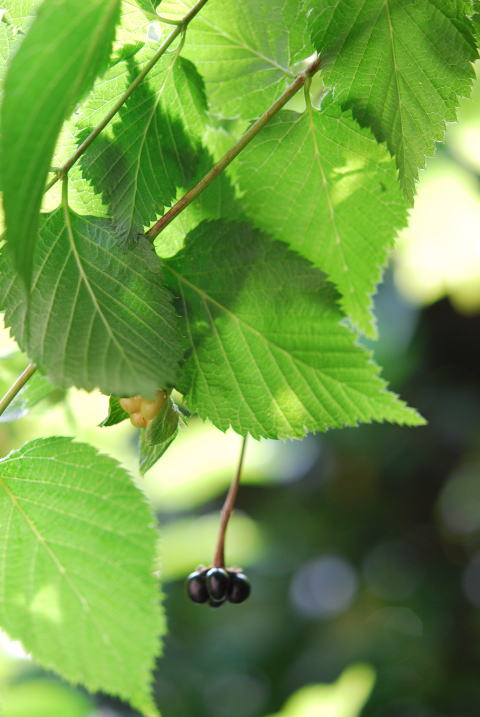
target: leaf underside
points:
(76, 579)
(326, 187)
(41, 90)
(400, 66)
(250, 43)
(267, 352)
(97, 315)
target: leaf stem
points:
(16, 386)
(301, 79)
(178, 30)
(227, 510)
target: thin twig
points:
(178, 30)
(252, 131)
(227, 510)
(16, 386)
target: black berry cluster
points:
(216, 586)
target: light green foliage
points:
(345, 697)
(268, 355)
(157, 436)
(76, 580)
(320, 183)
(400, 66)
(153, 145)
(36, 390)
(78, 35)
(19, 13)
(242, 51)
(148, 6)
(44, 698)
(98, 315)
(257, 335)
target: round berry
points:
(239, 588)
(197, 586)
(216, 603)
(131, 404)
(137, 420)
(218, 581)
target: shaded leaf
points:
(98, 315)
(77, 582)
(323, 185)
(400, 66)
(152, 148)
(268, 352)
(116, 414)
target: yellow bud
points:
(131, 404)
(151, 407)
(138, 420)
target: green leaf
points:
(116, 414)
(269, 354)
(400, 66)
(41, 90)
(98, 315)
(323, 185)
(152, 148)
(242, 51)
(36, 390)
(20, 13)
(76, 575)
(148, 6)
(158, 435)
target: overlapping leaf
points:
(98, 315)
(268, 354)
(325, 186)
(400, 65)
(41, 89)
(153, 146)
(76, 582)
(242, 50)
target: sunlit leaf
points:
(400, 66)
(98, 315)
(268, 354)
(249, 42)
(326, 187)
(76, 576)
(78, 35)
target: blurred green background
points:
(363, 545)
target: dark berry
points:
(239, 588)
(216, 603)
(218, 581)
(197, 586)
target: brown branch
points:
(16, 386)
(234, 151)
(227, 510)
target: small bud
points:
(138, 420)
(131, 404)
